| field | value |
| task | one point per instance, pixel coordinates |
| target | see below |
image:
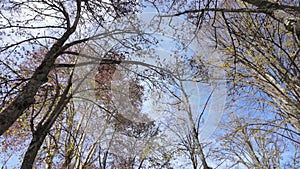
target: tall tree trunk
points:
(26, 98)
(43, 129)
(35, 144)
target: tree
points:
(66, 17)
(259, 40)
(40, 118)
(255, 143)
(43, 43)
(261, 44)
(264, 59)
(66, 22)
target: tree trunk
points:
(32, 150)
(43, 129)
(277, 12)
(26, 98)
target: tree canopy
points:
(105, 84)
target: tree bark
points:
(43, 129)
(276, 11)
(26, 98)
(35, 144)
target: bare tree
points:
(261, 42)
(66, 16)
(255, 143)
